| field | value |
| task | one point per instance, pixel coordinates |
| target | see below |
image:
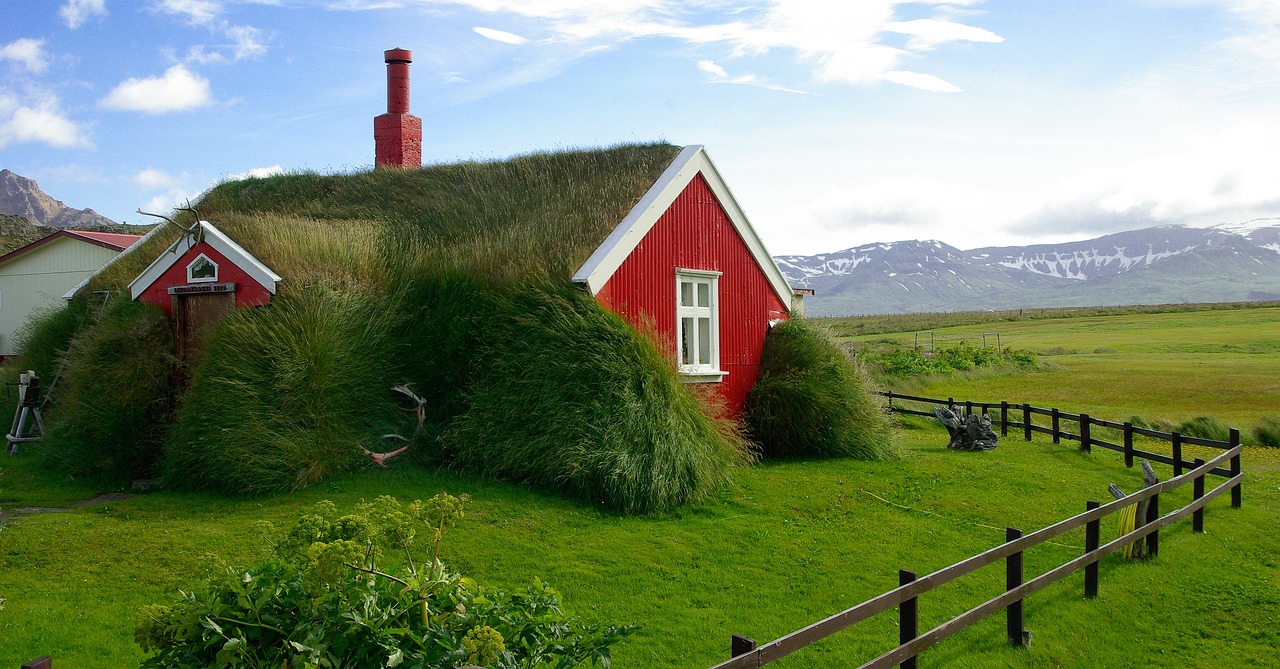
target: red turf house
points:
(687, 262)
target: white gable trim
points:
(624, 238)
(205, 231)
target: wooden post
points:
(1128, 444)
(1056, 432)
(1092, 532)
(1004, 418)
(968, 407)
(741, 645)
(39, 663)
(908, 618)
(1177, 454)
(1026, 422)
(1153, 514)
(1013, 579)
(1086, 444)
(1197, 491)
(1235, 469)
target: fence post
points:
(1053, 416)
(1004, 418)
(1197, 491)
(908, 617)
(1086, 443)
(1235, 469)
(1128, 444)
(1092, 532)
(741, 645)
(968, 407)
(1153, 514)
(1177, 454)
(1026, 422)
(1013, 579)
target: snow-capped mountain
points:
(1156, 265)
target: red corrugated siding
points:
(696, 233)
(249, 293)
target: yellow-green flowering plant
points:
(348, 591)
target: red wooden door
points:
(193, 316)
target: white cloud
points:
(499, 35)
(842, 41)
(166, 202)
(76, 12)
(39, 121)
(925, 82)
(199, 12)
(178, 89)
(26, 52)
(711, 68)
(152, 179)
(928, 34)
(257, 173)
(720, 76)
(249, 41)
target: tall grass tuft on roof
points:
(115, 393)
(811, 400)
(286, 395)
(574, 399)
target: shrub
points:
(334, 595)
(1205, 427)
(287, 394)
(570, 397)
(116, 393)
(1267, 431)
(900, 363)
(812, 400)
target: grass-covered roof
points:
(538, 215)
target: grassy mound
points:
(455, 279)
(812, 401)
(287, 395)
(574, 398)
(1267, 431)
(115, 394)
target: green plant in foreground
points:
(346, 591)
(1205, 427)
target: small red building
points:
(686, 262)
(199, 279)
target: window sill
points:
(703, 376)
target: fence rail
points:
(905, 597)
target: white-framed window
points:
(202, 270)
(698, 324)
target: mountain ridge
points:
(20, 196)
(1163, 264)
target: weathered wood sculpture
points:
(968, 433)
(1135, 516)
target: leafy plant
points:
(347, 591)
(901, 363)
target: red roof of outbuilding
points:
(109, 240)
(115, 240)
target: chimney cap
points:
(398, 56)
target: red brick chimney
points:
(397, 134)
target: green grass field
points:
(787, 544)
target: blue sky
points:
(836, 123)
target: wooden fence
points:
(911, 643)
(1084, 432)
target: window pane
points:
(704, 294)
(686, 294)
(686, 341)
(704, 341)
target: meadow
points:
(787, 542)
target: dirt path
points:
(9, 514)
